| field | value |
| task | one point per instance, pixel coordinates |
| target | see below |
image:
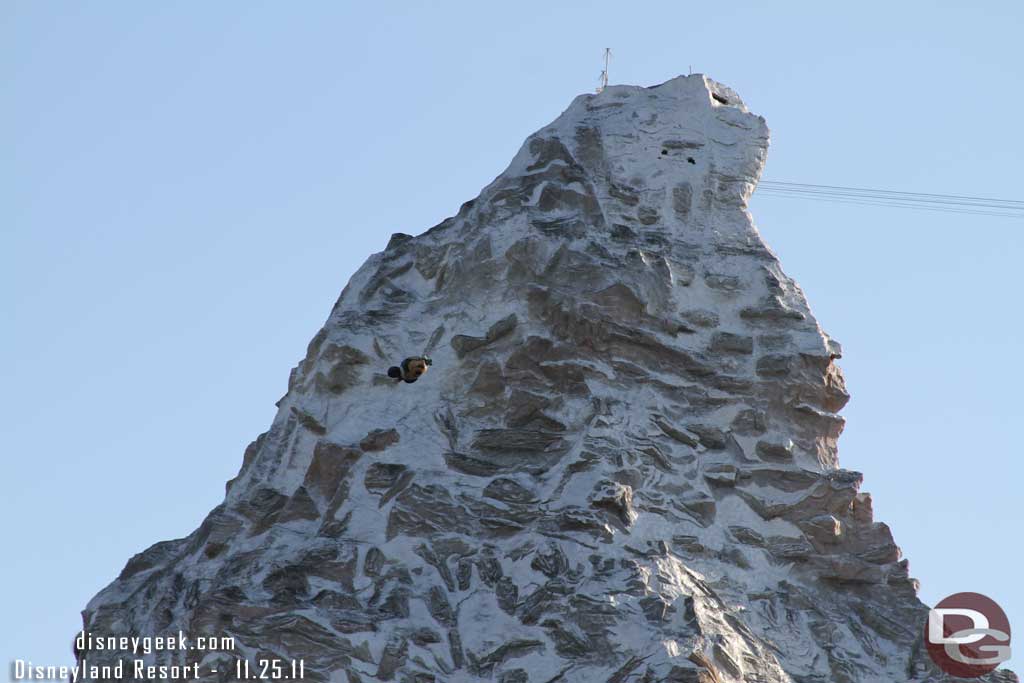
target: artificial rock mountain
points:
(622, 466)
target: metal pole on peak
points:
(603, 78)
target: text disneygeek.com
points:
(145, 658)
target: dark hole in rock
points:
(719, 98)
(664, 151)
(690, 159)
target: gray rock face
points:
(622, 466)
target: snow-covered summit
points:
(622, 465)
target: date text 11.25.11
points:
(270, 669)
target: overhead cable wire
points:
(918, 207)
(947, 203)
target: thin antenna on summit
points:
(603, 78)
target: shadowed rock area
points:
(622, 466)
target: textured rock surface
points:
(621, 468)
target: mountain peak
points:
(620, 465)
(689, 135)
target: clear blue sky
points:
(186, 187)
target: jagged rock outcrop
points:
(622, 466)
